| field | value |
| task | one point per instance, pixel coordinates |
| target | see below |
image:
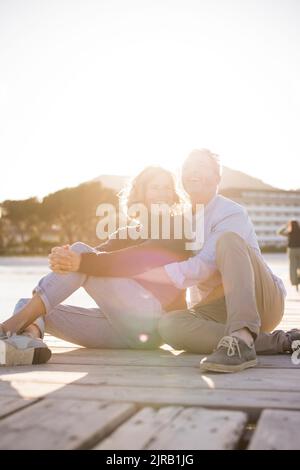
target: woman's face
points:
(159, 190)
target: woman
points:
(292, 232)
(128, 309)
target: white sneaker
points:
(22, 350)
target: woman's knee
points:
(80, 247)
(20, 304)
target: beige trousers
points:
(248, 298)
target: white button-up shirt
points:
(220, 215)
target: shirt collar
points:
(211, 203)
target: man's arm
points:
(200, 267)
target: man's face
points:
(199, 178)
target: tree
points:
(74, 210)
(24, 218)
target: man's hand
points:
(62, 260)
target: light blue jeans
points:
(127, 316)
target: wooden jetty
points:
(126, 399)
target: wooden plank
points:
(61, 350)
(277, 430)
(247, 400)
(178, 428)
(139, 430)
(9, 405)
(58, 374)
(70, 424)
(124, 356)
(53, 341)
(251, 401)
(153, 358)
(28, 389)
(183, 378)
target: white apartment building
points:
(269, 210)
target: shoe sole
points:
(210, 366)
(11, 356)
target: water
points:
(19, 275)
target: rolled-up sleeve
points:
(202, 266)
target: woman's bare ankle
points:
(33, 331)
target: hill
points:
(230, 179)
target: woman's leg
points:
(292, 252)
(131, 310)
(51, 290)
(30, 312)
(86, 327)
(298, 267)
(91, 328)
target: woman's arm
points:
(283, 231)
(122, 256)
(126, 262)
(118, 240)
(133, 260)
(63, 260)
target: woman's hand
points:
(62, 260)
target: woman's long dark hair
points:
(294, 227)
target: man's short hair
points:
(213, 157)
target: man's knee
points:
(228, 240)
(168, 327)
(80, 247)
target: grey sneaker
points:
(22, 350)
(232, 355)
(292, 335)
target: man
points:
(240, 296)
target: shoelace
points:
(232, 345)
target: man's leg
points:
(196, 330)
(200, 329)
(254, 303)
(253, 299)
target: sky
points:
(91, 87)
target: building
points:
(269, 210)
